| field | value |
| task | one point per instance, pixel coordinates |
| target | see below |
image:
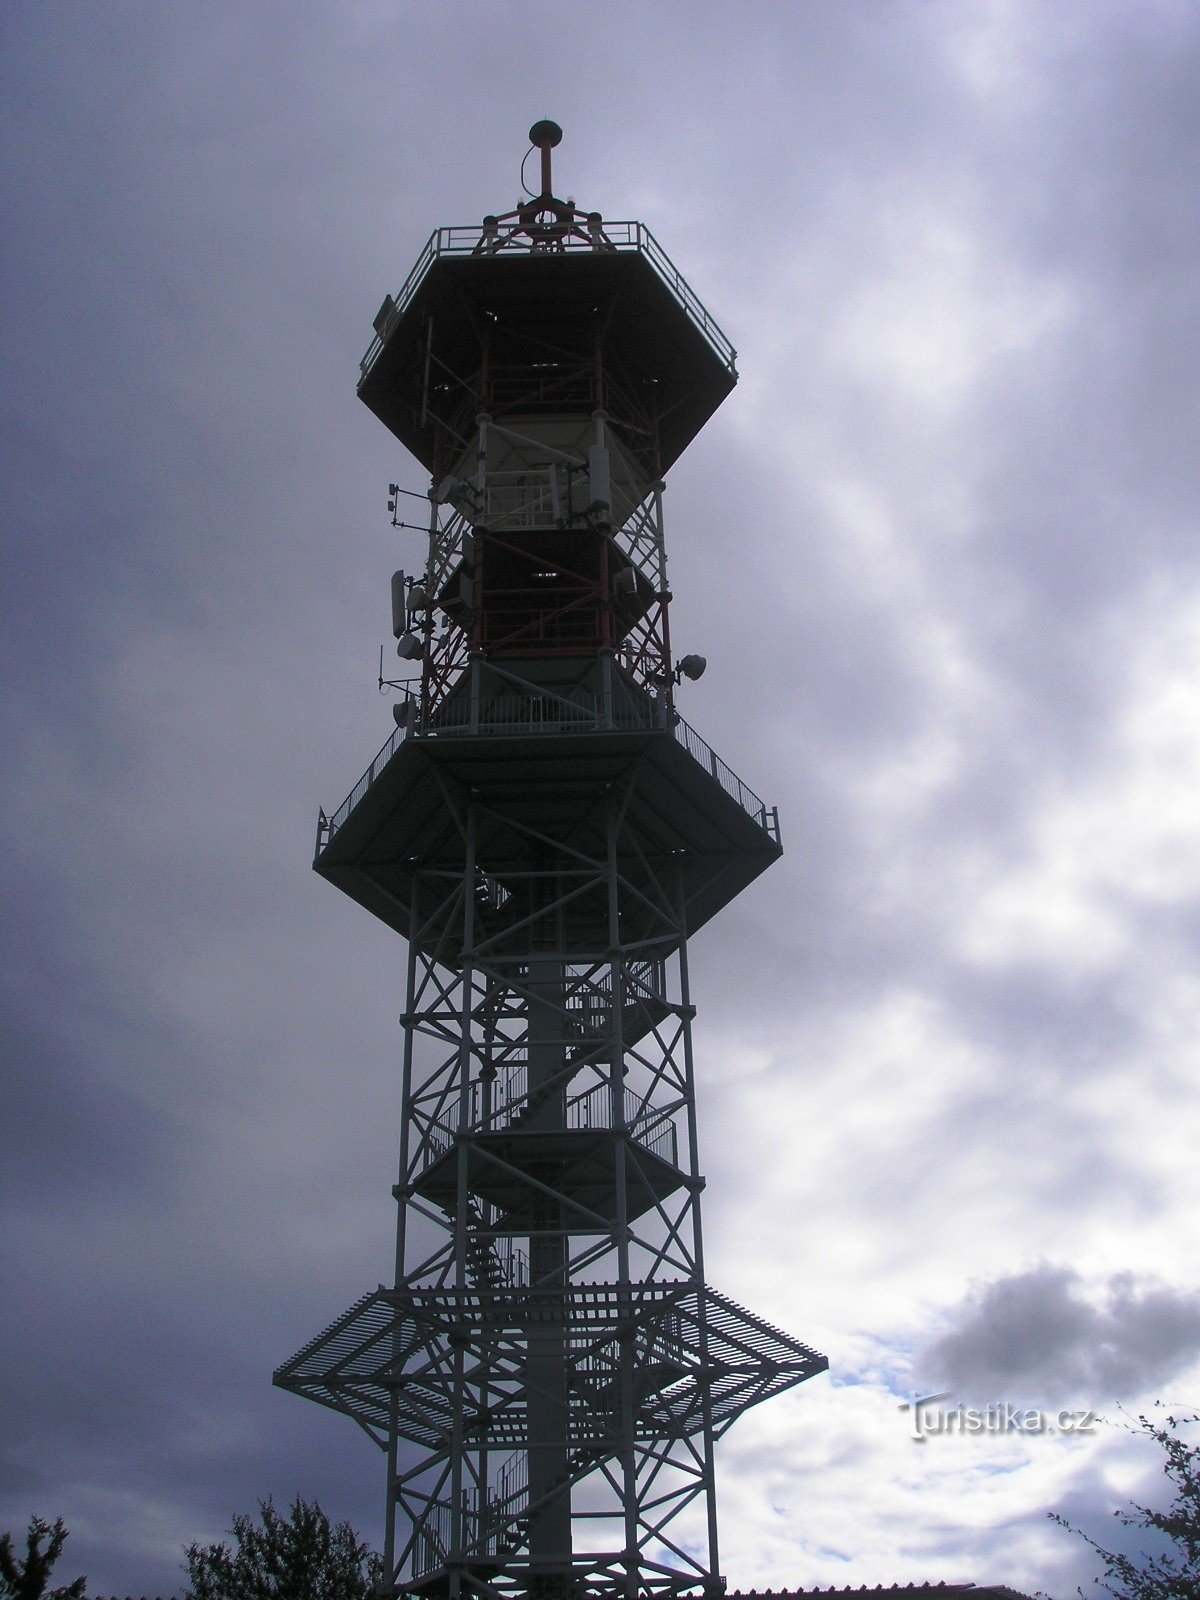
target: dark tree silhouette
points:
(28, 1579)
(299, 1556)
(1174, 1575)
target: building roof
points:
(892, 1591)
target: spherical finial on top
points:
(545, 133)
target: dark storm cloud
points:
(74, 1118)
(1037, 1335)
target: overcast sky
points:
(941, 550)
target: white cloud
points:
(942, 310)
(1109, 846)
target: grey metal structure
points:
(549, 1372)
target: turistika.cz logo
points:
(927, 1418)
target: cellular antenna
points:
(544, 136)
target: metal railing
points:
(328, 826)
(576, 711)
(490, 1524)
(624, 237)
(584, 1112)
(766, 816)
(571, 711)
(662, 1344)
(593, 1110)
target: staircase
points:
(488, 1266)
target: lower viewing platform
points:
(705, 1351)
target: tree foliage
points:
(1175, 1574)
(28, 1579)
(297, 1556)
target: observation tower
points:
(549, 1371)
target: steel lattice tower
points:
(550, 1371)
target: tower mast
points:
(549, 1371)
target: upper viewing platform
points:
(596, 310)
(575, 237)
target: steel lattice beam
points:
(549, 1371)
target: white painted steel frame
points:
(466, 1032)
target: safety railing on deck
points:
(624, 237)
(584, 1112)
(699, 750)
(577, 711)
(572, 711)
